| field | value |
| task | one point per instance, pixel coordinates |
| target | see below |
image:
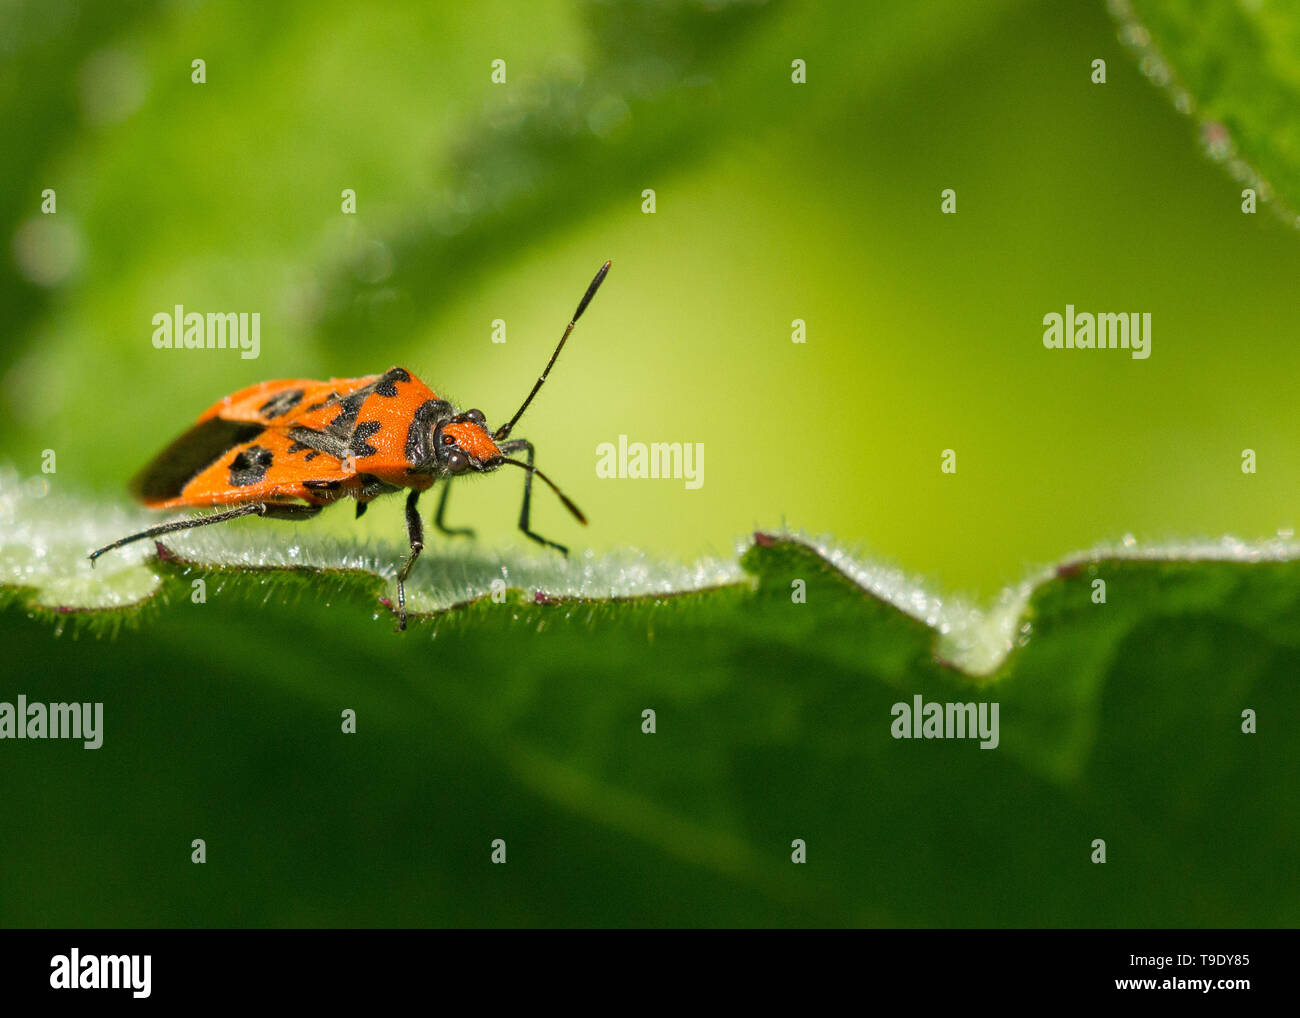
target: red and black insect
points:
(289, 448)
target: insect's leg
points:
(526, 447)
(250, 509)
(442, 508)
(415, 532)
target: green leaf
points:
(1236, 67)
(1119, 721)
(47, 537)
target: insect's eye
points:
(448, 440)
(477, 417)
(457, 462)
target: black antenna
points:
(577, 513)
(505, 429)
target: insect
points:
(289, 448)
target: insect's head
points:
(463, 443)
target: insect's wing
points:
(281, 400)
(310, 430)
(376, 426)
(163, 480)
(268, 466)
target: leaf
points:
(47, 537)
(1118, 721)
(1236, 67)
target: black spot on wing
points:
(300, 447)
(280, 404)
(332, 397)
(190, 455)
(346, 420)
(343, 435)
(358, 445)
(387, 386)
(249, 466)
(320, 441)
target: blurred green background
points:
(775, 201)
